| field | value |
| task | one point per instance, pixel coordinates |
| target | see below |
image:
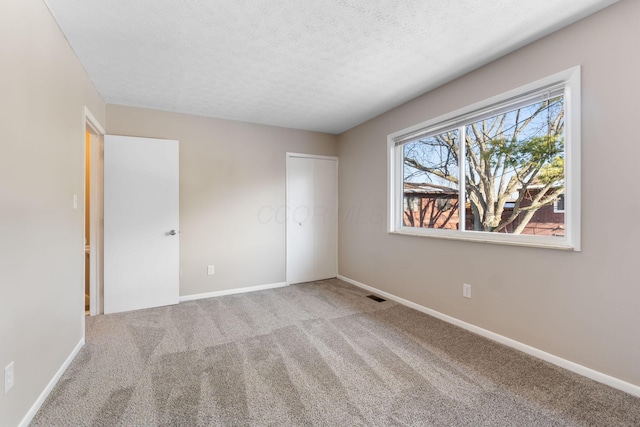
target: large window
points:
(503, 170)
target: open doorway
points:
(87, 224)
(93, 218)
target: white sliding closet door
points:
(300, 227)
(312, 226)
(325, 218)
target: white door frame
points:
(287, 204)
(92, 125)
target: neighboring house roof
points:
(428, 188)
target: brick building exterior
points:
(429, 207)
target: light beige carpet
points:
(317, 354)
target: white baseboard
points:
(194, 297)
(47, 390)
(535, 352)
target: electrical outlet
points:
(466, 290)
(211, 270)
(9, 379)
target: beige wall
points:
(582, 306)
(232, 180)
(43, 90)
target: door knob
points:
(173, 232)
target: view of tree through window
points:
(514, 171)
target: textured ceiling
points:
(325, 65)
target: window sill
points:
(556, 243)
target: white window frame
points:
(570, 79)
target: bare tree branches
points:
(515, 157)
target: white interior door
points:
(141, 240)
(300, 226)
(312, 207)
(326, 218)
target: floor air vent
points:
(375, 298)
